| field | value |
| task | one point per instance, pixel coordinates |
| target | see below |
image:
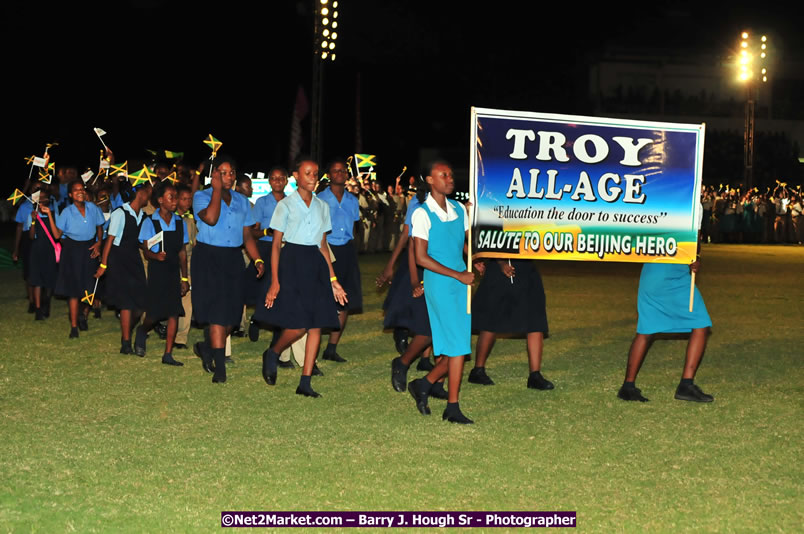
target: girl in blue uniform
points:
(344, 212)
(303, 284)
(80, 228)
(440, 229)
(121, 264)
(223, 217)
(167, 270)
(22, 245)
(43, 270)
(663, 307)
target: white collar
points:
(448, 215)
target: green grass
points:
(96, 441)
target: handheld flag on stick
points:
(155, 240)
(214, 144)
(365, 160)
(35, 197)
(29, 160)
(169, 154)
(171, 177)
(39, 162)
(100, 133)
(140, 177)
(88, 297)
(404, 168)
(87, 176)
(44, 177)
(16, 196)
(120, 169)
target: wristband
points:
(258, 260)
(265, 232)
(103, 266)
(183, 279)
(333, 279)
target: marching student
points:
(122, 264)
(440, 228)
(223, 217)
(344, 213)
(184, 204)
(43, 270)
(304, 289)
(80, 228)
(167, 270)
(510, 300)
(663, 307)
(22, 245)
(263, 211)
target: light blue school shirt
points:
(300, 224)
(148, 229)
(117, 202)
(23, 215)
(263, 211)
(344, 214)
(79, 227)
(412, 205)
(228, 232)
(117, 222)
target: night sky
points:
(163, 75)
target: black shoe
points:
(31, 307)
(401, 344)
(82, 323)
(285, 365)
(206, 358)
(537, 381)
(161, 330)
(254, 331)
(73, 332)
(307, 392)
(631, 394)
(167, 359)
(316, 370)
(180, 346)
(268, 368)
(692, 393)
(238, 333)
(125, 347)
(218, 379)
(334, 357)
(456, 416)
(139, 342)
(228, 360)
(424, 365)
(399, 374)
(40, 315)
(438, 391)
(478, 376)
(420, 398)
(96, 312)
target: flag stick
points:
(692, 289)
(512, 278)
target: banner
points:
(567, 187)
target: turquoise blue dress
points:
(664, 300)
(446, 297)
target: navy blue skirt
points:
(510, 308)
(217, 275)
(76, 269)
(401, 309)
(305, 297)
(347, 270)
(43, 271)
(255, 286)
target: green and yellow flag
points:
(120, 169)
(172, 178)
(169, 154)
(88, 297)
(15, 197)
(213, 143)
(365, 160)
(140, 177)
(29, 160)
(44, 176)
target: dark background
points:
(162, 75)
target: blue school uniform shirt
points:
(148, 229)
(23, 215)
(54, 211)
(300, 224)
(228, 232)
(117, 222)
(117, 202)
(412, 205)
(263, 211)
(343, 214)
(80, 227)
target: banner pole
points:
(472, 148)
(692, 289)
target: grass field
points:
(96, 441)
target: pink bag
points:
(56, 246)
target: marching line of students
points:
(312, 282)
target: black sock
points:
(452, 407)
(423, 386)
(167, 356)
(686, 382)
(483, 368)
(629, 385)
(274, 338)
(271, 360)
(304, 382)
(438, 386)
(331, 348)
(219, 357)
